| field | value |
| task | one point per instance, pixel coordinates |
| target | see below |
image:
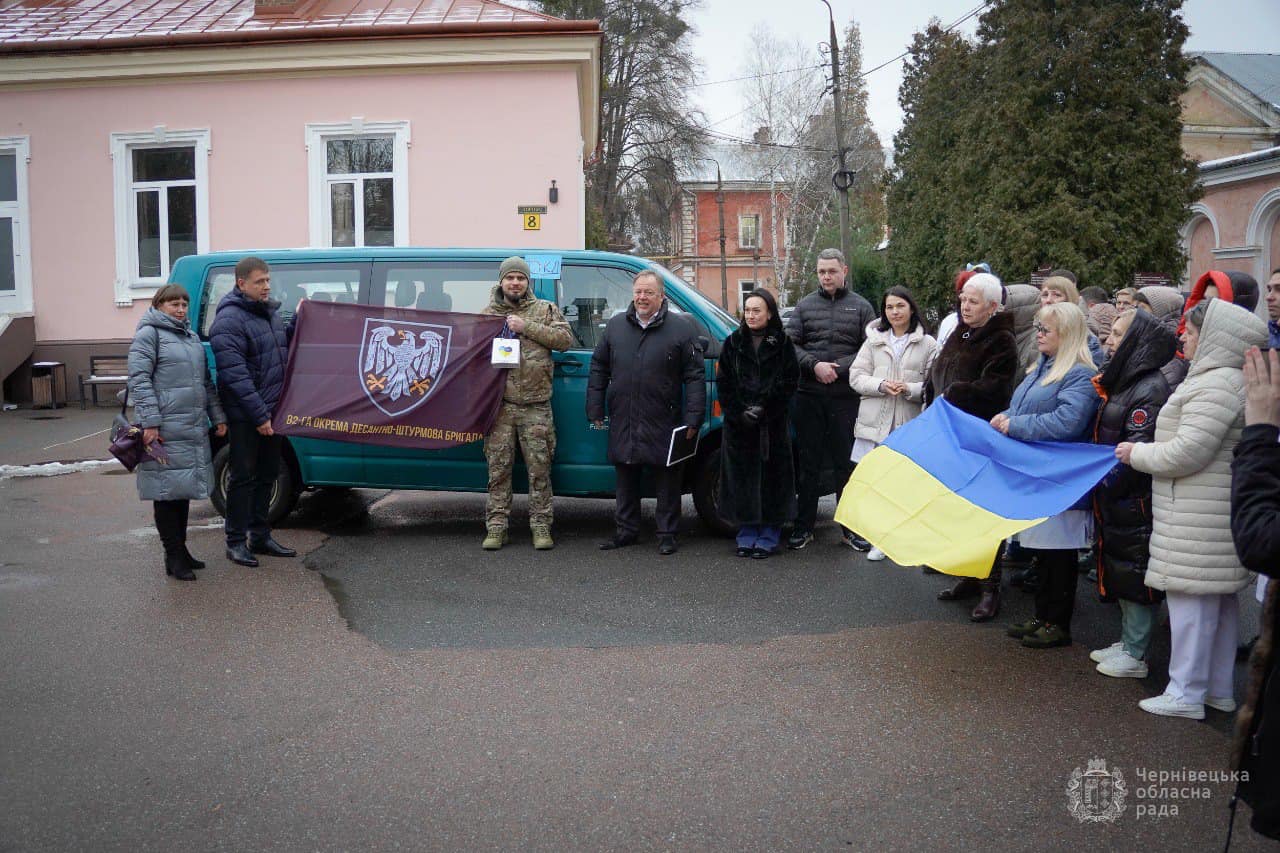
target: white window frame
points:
(20, 301)
(318, 180)
(744, 292)
(742, 219)
(129, 286)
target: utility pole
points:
(843, 177)
(724, 264)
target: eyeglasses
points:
(1041, 328)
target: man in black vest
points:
(828, 327)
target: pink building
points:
(1231, 125)
(134, 133)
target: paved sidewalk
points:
(34, 436)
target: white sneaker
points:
(1123, 665)
(1099, 655)
(1166, 706)
(1225, 704)
(875, 555)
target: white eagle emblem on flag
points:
(400, 362)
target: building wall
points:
(1204, 107)
(1247, 215)
(482, 142)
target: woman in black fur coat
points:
(976, 372)
(756, 377)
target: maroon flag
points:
(392, 376)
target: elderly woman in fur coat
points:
(756, 377)
(976, 371)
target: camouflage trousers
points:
(535, 429)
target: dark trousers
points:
(824, 429)
(171, 524)
(1056, 596)
(666, 485)
(255, 462)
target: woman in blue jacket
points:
(1055, 402)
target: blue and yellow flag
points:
(944, 489)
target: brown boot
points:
(961, 589)
(989, 605)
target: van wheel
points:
(284, 495)
(706, 495)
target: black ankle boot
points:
(175, 565)
(191, 561)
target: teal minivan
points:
(591, 288)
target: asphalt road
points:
(398, 688)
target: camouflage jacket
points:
(546, 329)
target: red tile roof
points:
(62, 25)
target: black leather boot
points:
(175, 565)
(191, 561)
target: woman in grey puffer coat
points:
(174, 399)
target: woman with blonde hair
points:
(1055, 402)
(1058, 289)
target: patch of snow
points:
(53, 469)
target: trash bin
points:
(48, 385)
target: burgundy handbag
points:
(127, 446)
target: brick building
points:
(755, 210)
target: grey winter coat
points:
(170, 386)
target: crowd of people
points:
(1182, 389)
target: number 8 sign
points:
(532, 221)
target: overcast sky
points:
(723, 29)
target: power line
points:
(756, 76)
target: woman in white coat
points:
(1192, 556)
(889, 374)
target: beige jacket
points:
(1190, 461)
(880, 414)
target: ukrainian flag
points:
(945, 489)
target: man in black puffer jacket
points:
(1132, 390)
(827, 327)
(250, 347)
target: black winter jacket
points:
(757, 472)
(977, 369)
(1255, 527)
(829, 327)
(636, 379)
(250, 348)
(1133, 389)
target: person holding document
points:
(756, 378)
(644, 360)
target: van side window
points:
(290, 284)
(589, 296)
(460, 286)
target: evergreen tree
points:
(1060, 145)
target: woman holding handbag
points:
(174, 399)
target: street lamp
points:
(724, 264)
(843, 177)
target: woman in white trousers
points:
(1193, 558)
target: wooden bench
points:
(104, 370)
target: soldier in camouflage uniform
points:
(526, 406)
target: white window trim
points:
(317, 194)
(22, 300)
(129, 286)
(742, 217)
(743, 294)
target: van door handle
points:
(570, 365)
